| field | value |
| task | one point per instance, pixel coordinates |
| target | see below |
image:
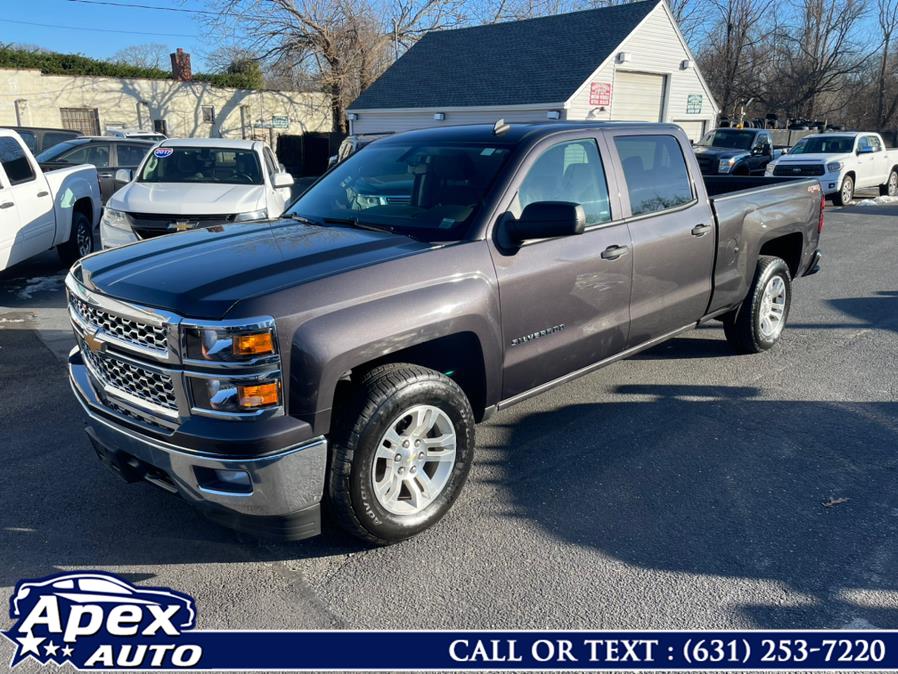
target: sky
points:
(100, 30)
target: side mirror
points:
(282, 180)
(546, 220)
(124, 175)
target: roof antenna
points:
(500, 127)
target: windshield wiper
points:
(301, 218)
(355, 222)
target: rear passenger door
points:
(673, 232)
(565, 301)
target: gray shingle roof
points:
(540, 60)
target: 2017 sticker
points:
(163, 152)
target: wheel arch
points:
(788, 247)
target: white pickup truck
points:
(195, 182)
(41, 210)
(842, 163)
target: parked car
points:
(195, 182)
(38, 139)
(734, 151)
(107, 154)
(41, 210)
(347, 351)
(136, 134)
(842, 163)
(352, 144)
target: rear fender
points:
(67, 187)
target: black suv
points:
(730, 151)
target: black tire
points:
(743, 327)
(890, 189)
(378, 401)
(846, 192)
(81, 240)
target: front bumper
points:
(278, 494)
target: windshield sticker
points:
(487, 151)
(163, 152)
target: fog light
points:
(215, 479)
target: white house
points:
(625, 62)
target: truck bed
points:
(749, 212)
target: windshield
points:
(823, 145)
(201, 165)
(52, 153)
(734, 138)
(429, 191)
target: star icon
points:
(51, 648)
(67, 651)
(29, 644)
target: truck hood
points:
(188, 198)
(812, 158)
(203, 273)
(720, 152)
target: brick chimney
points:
(180, 66)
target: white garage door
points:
(694, 128)
(638, 97)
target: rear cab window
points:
(655, 172)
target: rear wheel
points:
(402, 453)
(759, 322)
(846, 192)
(890, 189)
(81, 239)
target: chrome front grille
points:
(141, 334)
(129, 378)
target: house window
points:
(208, 114)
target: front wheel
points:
(890, 189)
(81, 239)
(846, 193)
(402, 453)
(758, 324)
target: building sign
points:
(694, 104)
(278, 122)
(600, 93)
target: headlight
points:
(235, 395)
(115, 229)
(726, 165)
(230, 344)
(261, 214)
(834, 167)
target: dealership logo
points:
(97, 620)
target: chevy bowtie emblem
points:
(182, 226)
(93, 343)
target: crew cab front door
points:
(26, 206)
(673, 230)
(565, 301)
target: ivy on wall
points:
(51, 63)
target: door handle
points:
(104, 175)
(614, 252)
(7, 204)
(701, 230)
(43, 193)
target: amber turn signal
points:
(258, 395)
(256, 344)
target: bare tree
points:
(149, 55)
(888, 23)
(344, 45)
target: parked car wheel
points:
(759, 322)
(845, 193)
(81, 240)
(401, 454)
(890, 189)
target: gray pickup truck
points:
(344, 354)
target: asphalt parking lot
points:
(684, 488)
